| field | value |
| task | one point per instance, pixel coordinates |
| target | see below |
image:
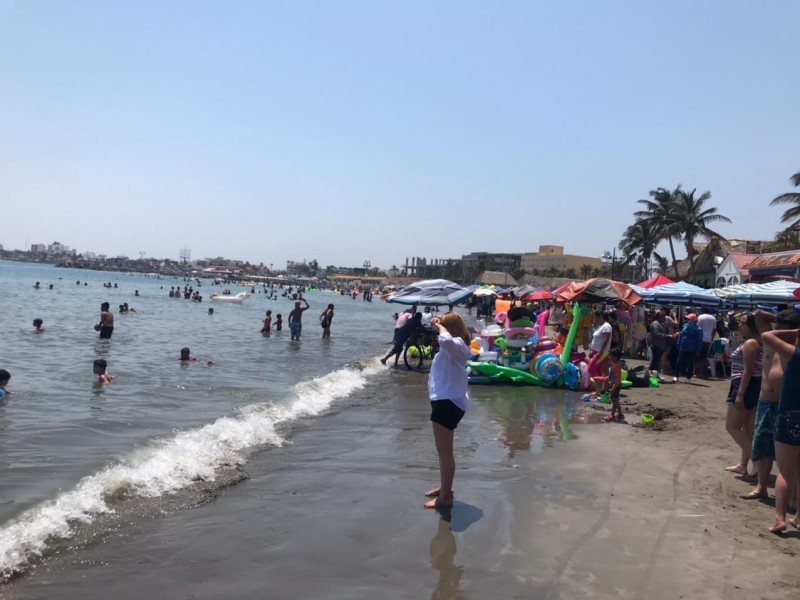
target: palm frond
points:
(789, 198)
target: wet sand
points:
(617, 512)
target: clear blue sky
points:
(348, 130)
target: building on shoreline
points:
(550, 257)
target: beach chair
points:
(718, 353)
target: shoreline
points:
(618, 512)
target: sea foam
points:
(169, 464)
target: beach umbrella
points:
(680, 293)
(600, 290)
(525, 289)
(752, 294)
(485, 291)
(566, 286)
(538, 295)
(431, 292)
(654, 282)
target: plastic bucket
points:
(647, 419)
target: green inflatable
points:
(506, 373)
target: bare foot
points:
(383, 361)
(439, 503)
(795, 522)
(779, 526)
(434, 493)
(755, 495)
(740, 469)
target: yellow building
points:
(553, 257)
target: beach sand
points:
(617, 512)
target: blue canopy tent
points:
(680, 293)
(431, 292)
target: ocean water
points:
(73, 451)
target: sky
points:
(350, 131)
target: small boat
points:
(237, 299)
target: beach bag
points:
(640, 376)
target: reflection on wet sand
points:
(443, 553)
(532, 419)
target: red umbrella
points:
(654, 281)
(540, 295)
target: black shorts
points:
(787, 427)
(105, 332)
(750, 394)
(446, 414)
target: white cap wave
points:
(169, 464)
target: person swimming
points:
(99, 369)
(37, 326)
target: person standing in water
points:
(265, 329)
(106, 324)
(447, 390)
(295, 319)
(325, 320)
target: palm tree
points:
(783, 240)
(638, 244)
(793, 213)
(693, 219)
(662, 264)
(660, 213)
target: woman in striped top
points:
(746, 371)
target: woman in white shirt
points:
(447, 390)
(601, 344)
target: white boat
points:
(237, 299)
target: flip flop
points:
(753, 496)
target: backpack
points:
(640, 376)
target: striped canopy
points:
(680, 293)
(753, 294)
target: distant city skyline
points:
(269, 132)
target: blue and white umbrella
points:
(680, 293)
(753, 294)
(431, 292)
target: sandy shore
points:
(616, 512)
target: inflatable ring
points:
(549, 368)
(585, 379)
(571, 376)
(520, 333)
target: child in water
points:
(37, 326)
(100, 366)
(447, 390)
(278, 323)
(5, 377)
(267, 322)
(186, 356)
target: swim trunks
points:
(105, 332)
(446, 414)
(787, 427)
(296, 328)
(763, 434)
(750, 394)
